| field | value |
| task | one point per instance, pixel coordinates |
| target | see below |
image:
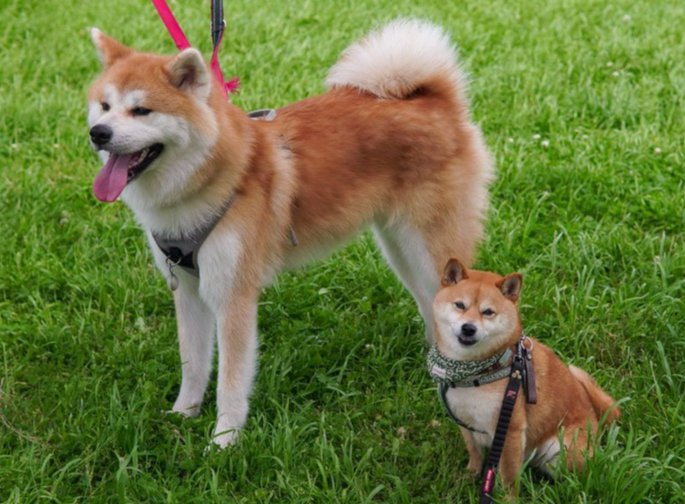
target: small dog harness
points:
(449, 373)
(520, 371)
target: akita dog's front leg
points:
(237, 345)
(196, 344)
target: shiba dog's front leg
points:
(237, 345)
(512, 459)
(476, 453)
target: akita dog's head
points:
(476, 312)
(151, 122)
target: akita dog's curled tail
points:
(234, 200)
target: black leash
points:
(521, 373)
(218, 22)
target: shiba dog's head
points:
(476, 312)
(151, 121)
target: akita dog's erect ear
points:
(108, 49)
(454, 273)
(188, 72)
(511, 285)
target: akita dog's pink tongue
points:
(112, 177)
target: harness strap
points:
(183, 251)
(265, 114)
(529, 384)
(442, 393)
(510, 395)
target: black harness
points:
(183, 250)
(496, 372)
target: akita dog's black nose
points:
(100, 134)
(468, 329)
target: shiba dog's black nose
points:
(100, 134)
(468, 329)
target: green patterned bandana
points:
(458, 373)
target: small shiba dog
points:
(390, 145)
(477, 320)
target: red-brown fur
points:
(411, 164)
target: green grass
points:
(343, 410)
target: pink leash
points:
(182, 43)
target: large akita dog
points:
(234, 200)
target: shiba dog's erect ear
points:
(511, 285)
(454, 272)
(188, 72)
(109, 50)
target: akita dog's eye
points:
(105, 106)
(488, 312)
(140, 111)
(460, 305)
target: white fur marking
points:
(490, 334)
(477, 410)
(233, 398)
(407, 254)
(394, 61)
(186, 147)
(218, 259)
(196, 343)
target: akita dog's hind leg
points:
(418, 254)
(405, 251)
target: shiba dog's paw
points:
(475, 469)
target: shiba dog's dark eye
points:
(488, 312)
(105, 106)
(140, 111)
(460, 305)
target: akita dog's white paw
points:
(186, 408)
(225, 434)
(225, 437)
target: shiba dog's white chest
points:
(477, 407)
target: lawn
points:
(581, 102)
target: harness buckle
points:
(263, 114)
(525, 339)
(529, 384)
(172, 280)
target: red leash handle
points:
(182, 43)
